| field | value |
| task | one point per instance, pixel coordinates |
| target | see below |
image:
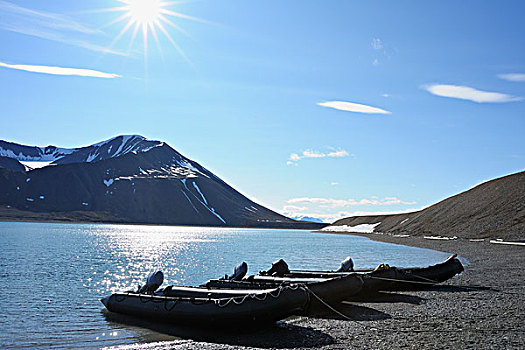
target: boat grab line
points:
(330, 307)
(405, 281)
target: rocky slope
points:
(127, 179)
(493, 209)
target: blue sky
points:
(316, 108)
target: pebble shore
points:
(483, 308)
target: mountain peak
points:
(111, 148)
(127, 178)
(124, 138)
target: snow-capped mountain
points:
(125, 179)
(307, 218)
(111, 148)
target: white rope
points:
(274, 294)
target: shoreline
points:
(92, 222)
(484, 307)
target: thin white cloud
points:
(341, 203)
(325, 217)
(292, 211)
(392, 212)
(49, 26)
(469, 93)
(380, 51)
(332, 209)
(353, 107)
(333, 183)
(313, 154)
(377, 44)
(60, 70)
(338, 154)
(294, 157)
(292, 208)
(15, 13)
(517, 77)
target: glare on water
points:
(53, 275)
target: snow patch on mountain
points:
(37, 157)
(362, 228)
(189, 200)
(205, 205)
(189, 166)
(114, 147)
(30, 165)
(199, 190)
(217, 215)
(32, 153)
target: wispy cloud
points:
(44, 19)
(328, 218)
(294, 208)
(60, 70)
(517, 77)
(353, 107)
(380, 51)
(49, 26)
(295, 157)
(341, 203)
(469, 93)
(331, 216)
(377, 44)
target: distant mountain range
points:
(493, 209)
(307, 218)
(127, 179)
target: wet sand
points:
(483, 308)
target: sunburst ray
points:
(151, 16)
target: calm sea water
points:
(53, 275)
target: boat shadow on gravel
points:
(348, 311)
(387, 297)
(460, 289)
(278, 335)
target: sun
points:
(144, 11)
(150, 17)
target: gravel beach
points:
(483, 308)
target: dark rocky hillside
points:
(127, 179)
(11, 164)
(493, 209)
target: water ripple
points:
(53, 275)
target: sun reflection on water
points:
(70, 267)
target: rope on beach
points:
(424, 278)
(431, 283)
(329, 307)
(404, 281)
